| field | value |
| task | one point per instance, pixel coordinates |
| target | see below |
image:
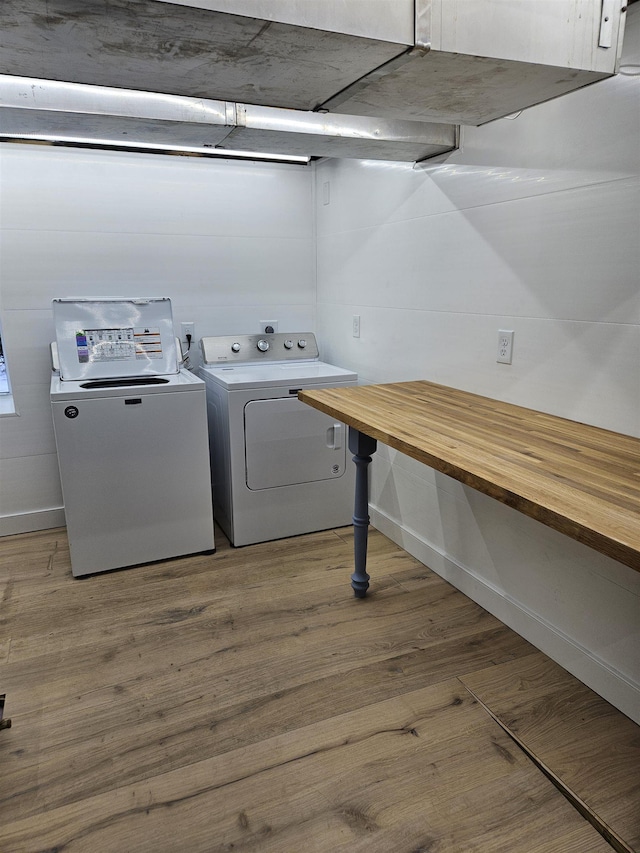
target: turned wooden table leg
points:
(362, 446)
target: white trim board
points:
(29, 522)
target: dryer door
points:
(288, 442)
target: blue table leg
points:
(362, 446)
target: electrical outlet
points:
(187, 329)
(505, 346)
(268, 327)
(356, 325)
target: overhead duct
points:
(76, 113)
(446, 61)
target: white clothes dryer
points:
(278, 467)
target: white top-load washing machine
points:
(131, 434)
(279, 467)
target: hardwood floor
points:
(583, 743)
(246, 701)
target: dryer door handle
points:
(335, 436)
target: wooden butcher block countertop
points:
(578, 479)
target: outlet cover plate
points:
(505, 346)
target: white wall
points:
(230, 243)
(533, 226)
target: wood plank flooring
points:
(584, 743)
(246, 701)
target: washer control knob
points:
(235, 347)
(263, 345)
(288, 344)
(302, 343)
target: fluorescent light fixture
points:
(154, 146)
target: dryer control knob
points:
(235, 347)
(263, 345)
(288, 344)
(302, 343)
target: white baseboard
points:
(612, 685)
(28, 522)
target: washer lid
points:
(114, 338)
(236, 377)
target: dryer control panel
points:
(280, 346)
